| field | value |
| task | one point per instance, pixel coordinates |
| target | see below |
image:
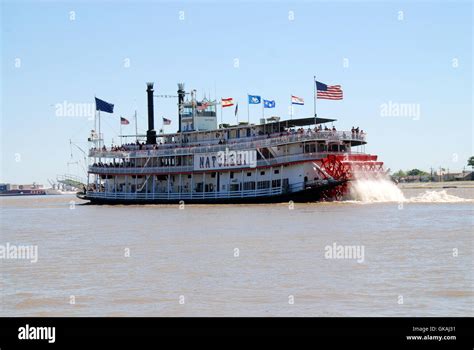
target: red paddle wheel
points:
(345, 167)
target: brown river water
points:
(241, 260)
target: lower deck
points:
(310, 192)
(233, 184)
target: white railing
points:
(256, 142)
(185, 195)
(138, 170)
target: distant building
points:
(465, 175)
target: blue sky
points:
(424, 59)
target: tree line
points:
(418, 172)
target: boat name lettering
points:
(225, 159)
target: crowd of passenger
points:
(128, 147)
(220, 139)
(124, 164)
(356, 132)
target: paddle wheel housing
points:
(346, 167)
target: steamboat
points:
(273, 161)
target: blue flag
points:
(255, 100)
(268, 103)
(103, 106)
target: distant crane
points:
(83, 166)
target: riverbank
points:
(438, 185)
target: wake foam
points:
(375, 189)
(437, 197)
(378, 188)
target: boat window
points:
(249, 186)
(263, 184)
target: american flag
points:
(328, 92)
(203, 106)
(124, 121)
(166, 121)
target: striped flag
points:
(203, 106)
(227, 102)
(295, 100)
(124, 121)
(328, 92)
(166, 121)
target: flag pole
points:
(291, 108)
(95, 120)
(237, 111)
(136, 127)
(248, 110)
(315, 97)
(100, 137)
(222, 110)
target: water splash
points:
(378, 188)
(375, 189)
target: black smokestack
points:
(151, 133)
(181, 94)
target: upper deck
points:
(247, 136)
(213, 145)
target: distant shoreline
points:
(439, 185)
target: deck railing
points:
(186, 195)
(254, 142)
(264, 192)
